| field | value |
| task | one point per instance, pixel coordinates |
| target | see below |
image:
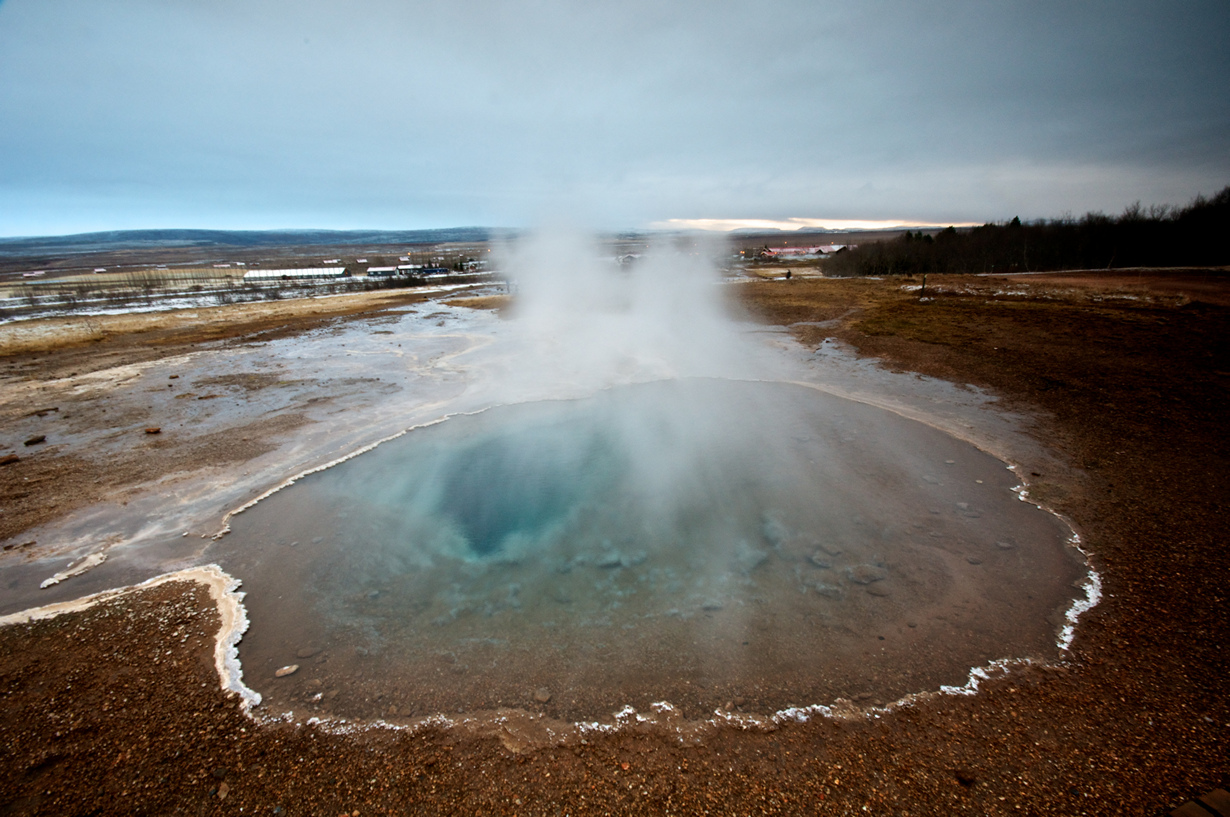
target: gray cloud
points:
(380, 113)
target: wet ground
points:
(1131, 395)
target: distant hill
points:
(164, 239)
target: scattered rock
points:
(828, 590)
(974, 560)
(173, 377)
(866, 574)
(711, 605)
(638, 558)
(154, 430)
(542, 695)
(819, 559)
(878, 590)
(306, 652)
(775, 533)
(829, 549)
(219, 772)
(9, 459)
(223, 791)
(36, 440)
(1005, 545)
(290, 669)
(748, 558)
(610, 559)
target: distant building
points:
(382, 271)
(803, 252)
(310, 274)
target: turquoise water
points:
(694, 541)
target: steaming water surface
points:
(702, 541)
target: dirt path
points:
(115, 710)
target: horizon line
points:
(727, 225)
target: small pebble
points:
(828, 590)
(542, 695)
(866, 574)
(290, 669)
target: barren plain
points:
(117, 709)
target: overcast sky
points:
(253, 114)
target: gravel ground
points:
(117, 709)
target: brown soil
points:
(117, 709)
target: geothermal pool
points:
(711, 543)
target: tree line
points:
(1158, 236)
